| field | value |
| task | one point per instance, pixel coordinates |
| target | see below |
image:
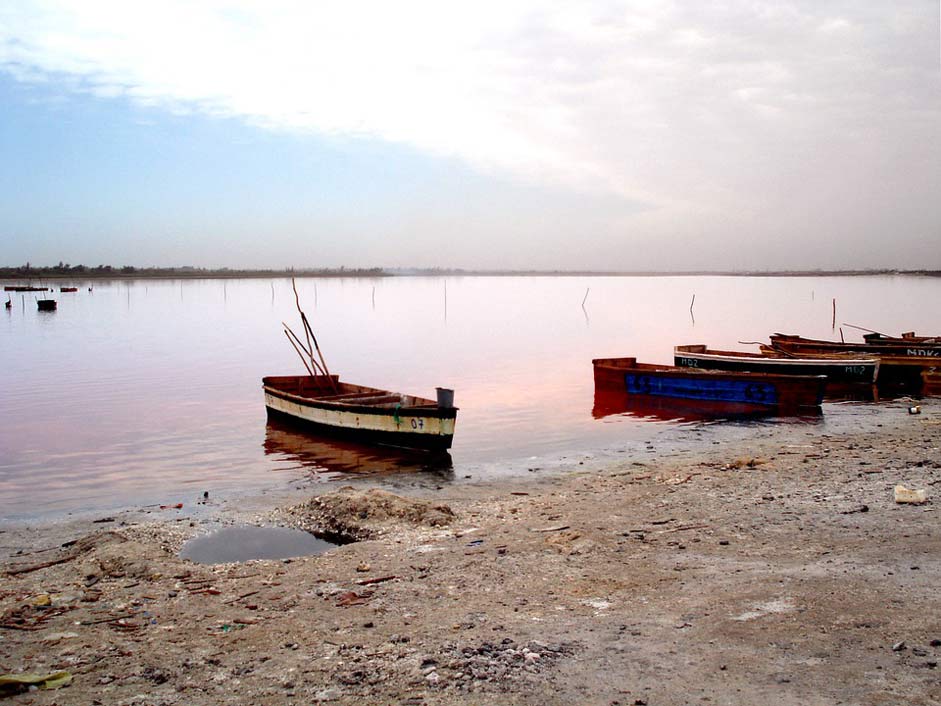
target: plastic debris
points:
(906, 495)
(22, 682)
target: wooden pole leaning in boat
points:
(863, 328)
(310, 332)
(301, 355)
(297, 302)
(305, 349)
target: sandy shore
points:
(773, 570)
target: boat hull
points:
(900, 364)
(900, 348)
(426, 427)
(847, 371)
(737, 392)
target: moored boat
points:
(46, 304)
(366, 414)
(731, 391)
(900, 365)
(899, 347)
(839, 368)
(68, 289)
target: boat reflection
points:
(326, 455)
(609, 403)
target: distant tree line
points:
(64, 269)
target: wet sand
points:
(775, 569)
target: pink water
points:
(149, 391)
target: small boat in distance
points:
(842, 369)
(727, 391)
(366, 414)
(23, 288)
(46, 304)
(68, 289)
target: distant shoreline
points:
(20, 274)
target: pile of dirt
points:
(351, 515)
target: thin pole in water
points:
(834, 314)
(585, 298)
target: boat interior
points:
(325, 389)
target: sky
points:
(519, 134)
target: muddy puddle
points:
(244, 543)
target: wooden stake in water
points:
(585, 298)
(834, 313)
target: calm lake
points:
(149, 391)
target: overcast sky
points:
(510, 134)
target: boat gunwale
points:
(430, 409)
(736, 356)
(702, 372)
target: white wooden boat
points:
(366, 414)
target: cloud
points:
(715, 116)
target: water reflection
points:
(325, 455)
(610, 403)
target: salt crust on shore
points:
(775, 569)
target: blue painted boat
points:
(730, 392)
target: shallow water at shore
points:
(148, 392)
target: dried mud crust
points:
(778, 570)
